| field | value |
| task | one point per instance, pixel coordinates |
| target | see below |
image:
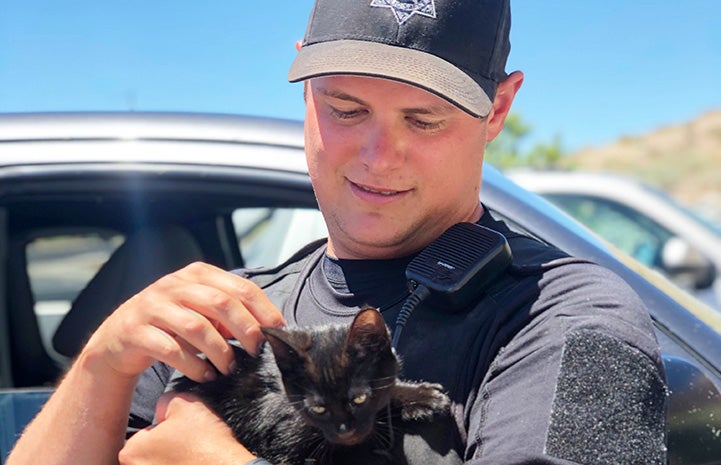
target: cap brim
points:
(391, 62)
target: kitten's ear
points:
(368, 330)
(288, 347)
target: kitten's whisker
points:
(393, 377)
(383, 441)
(383, 386)
(322, 451)
(297, 402)
(382, 437)
(383, 433)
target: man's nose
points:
(383, 149)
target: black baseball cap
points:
(456, 49)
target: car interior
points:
(77, 250)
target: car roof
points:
(150, 137)
(147, 125)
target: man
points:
(554, 363)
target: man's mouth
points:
(376, 191)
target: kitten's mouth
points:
(348, 438)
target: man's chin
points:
(390, 233)
(370, 243)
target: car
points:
(640, 220)
(94, 206)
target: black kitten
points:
(328, 394)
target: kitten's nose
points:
(346, 435)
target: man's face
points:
(393, 166)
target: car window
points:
(59, 266)
(627, 229)
(268, 236)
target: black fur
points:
(331, 394)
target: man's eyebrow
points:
(434, 109)
(340, 95)
(439, 109)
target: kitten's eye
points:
(360, 399)
(317, 409)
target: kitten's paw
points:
(423, 401)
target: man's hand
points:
(183, 314)
(188, 432)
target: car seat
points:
(145, 256)
(31, 364)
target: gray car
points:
(642, 221)
(93, 207)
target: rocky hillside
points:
(684, 160)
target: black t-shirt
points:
(556, 362)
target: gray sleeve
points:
(582, 383)
(151, 385)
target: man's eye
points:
(425, 125)
(345, 114)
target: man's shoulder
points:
(550, 280)
(526, 251)
(265, 276)
(279, 281)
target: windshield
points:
(708, 223)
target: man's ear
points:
(298, 45)
(505, 93)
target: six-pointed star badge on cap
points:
(404, 9)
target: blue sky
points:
(595, 70)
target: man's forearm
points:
(83, 422)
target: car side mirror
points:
(686, 265)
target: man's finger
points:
(170, 401)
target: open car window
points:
(268, 236)
(59, 266)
